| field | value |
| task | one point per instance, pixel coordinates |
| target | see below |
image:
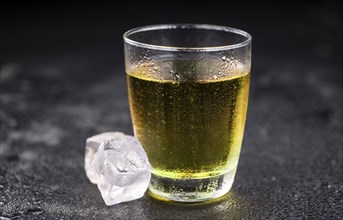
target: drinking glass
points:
(188, 87)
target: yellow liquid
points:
(191, 128)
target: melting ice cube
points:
(118, 164)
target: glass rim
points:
(243, 43)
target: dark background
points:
(62, 80)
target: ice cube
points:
(118, 164)
(92, 147)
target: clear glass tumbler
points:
(188, 90)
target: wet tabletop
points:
(62, 80)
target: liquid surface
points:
(189, 128)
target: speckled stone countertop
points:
(58, 89)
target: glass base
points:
(192, 190)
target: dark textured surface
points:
(62, 80)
